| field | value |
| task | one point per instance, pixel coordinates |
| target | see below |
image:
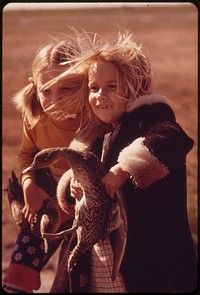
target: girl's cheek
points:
(93, 96)
(91, 99)
(93, 104)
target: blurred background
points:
(169, 34)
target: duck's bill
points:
(28, 169)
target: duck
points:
(92, 211)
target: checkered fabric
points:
(101, 270)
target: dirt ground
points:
(170, 36)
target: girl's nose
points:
(101, 95)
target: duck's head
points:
(45, 158)
(85, 165)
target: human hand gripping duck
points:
(32, 206)
(92, 212)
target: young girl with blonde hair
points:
(51, 117)
(146, 154)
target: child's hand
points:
(114, 179)
(76, 190)
(34, 197)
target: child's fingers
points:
(112, 192)
(76, 190)
(25, 213)
(109, 181)
(30, 217)
(28, 214)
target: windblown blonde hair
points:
(133, 69)
(51, 57)
(48, 57)
(77, 80)
(133, 66)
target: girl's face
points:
(52, 98)
(103, 89)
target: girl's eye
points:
(66, 88)
(46, 92)
(112, 87)
(93, 88)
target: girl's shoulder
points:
(147, 100)
(149, 109)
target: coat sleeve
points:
(150, 158)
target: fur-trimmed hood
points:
(146, 100)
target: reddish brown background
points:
(169, 33)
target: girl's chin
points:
(105, 120)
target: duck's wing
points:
(16, 200)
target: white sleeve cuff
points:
(143, 166)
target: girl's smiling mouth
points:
(103, 107)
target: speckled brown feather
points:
(92, 212)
